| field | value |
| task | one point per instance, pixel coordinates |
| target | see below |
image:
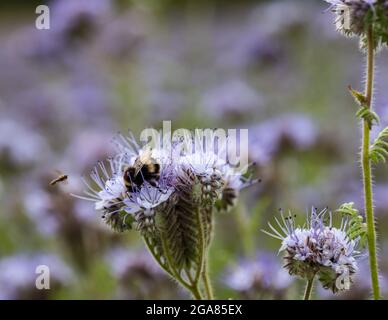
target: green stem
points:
(207, 284)
(309, 288)
(202, 272)
(196, 293)
(367, 172)
(162, 265)
(202, 246)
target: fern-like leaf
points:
(368, 115)
(178, 225)
(379, 148)
(356, 225)
(364, 112)
(347, 209)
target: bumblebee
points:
(145, 168)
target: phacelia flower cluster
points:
(318, 249)
(356, 17)
(351, 14)
(168, 195)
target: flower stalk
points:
(309, 288)
(367, 170)
(368, 20)
(207, 284)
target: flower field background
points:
(277, 68)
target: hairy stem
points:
(367, 171)
(202, 246)
(158, 260)
(202, 271)
(207, 284)
(196, 293)
(309, 288)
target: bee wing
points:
(146, 154)
(58, 172)
(138, 165)
(53, 182)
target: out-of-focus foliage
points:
(277, 68)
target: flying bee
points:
(145, 168)
(60, 178)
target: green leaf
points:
(379, 149)
(178, 226)
(368, 115)
(358, 96)
(357, 228)
(347, 209)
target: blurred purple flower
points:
(262, 276)
(88, 97)
(165, 104)
(122, 35)
(122, 260)
(139, 277)
(42, 205)
(381, 198)
(17, 277)
(261, 38)
(31, 106)
(268, 138)
(97, 144)
(245, 46)
(72, 24)
(69, 16)
(38, 205)
(233, 98)
(21, 145)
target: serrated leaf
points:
(379, 149)
(368, 115)
(178, 225)
(347, 209)
(357, 228)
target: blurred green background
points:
(277, 68)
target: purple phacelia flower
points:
(319, 249)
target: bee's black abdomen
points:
(149, 172)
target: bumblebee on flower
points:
(170, 198)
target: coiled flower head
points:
(318, 249)
(351, 15)
(355, 17)
(169, 197)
